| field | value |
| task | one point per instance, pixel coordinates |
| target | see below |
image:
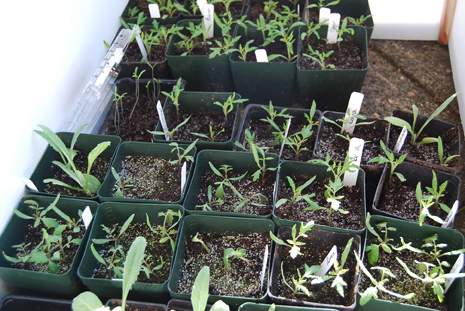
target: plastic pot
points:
(318, 235)
(85, 143)
(289, 168)
(133, 20)
(250, 306)
(137, 305)
(21, 303)
(181, 305)
(412, 232)
(218, 224)
(162, 151)
(414, 174)
(195, 102)
(108, 214)
(67, 283)
(331, 88)
(240, 161)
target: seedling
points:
(120, 184)
(212, 134)
(245, 50)
(228, 105)
(168, 229)
(134, 13)
(323, 4)
(231, 253)
(299, 282)
(226, 44)
(136, 75)
(360, 21)
(339, 270)
(319, 57)
(432, 199)
(390, 158)
(440, 148)
(173, 131)
(344, 30)
(273, 115)
(339, 123)
(297, 193)
(188, 41)
(269, 7)
(174, 96)
(297, 140)
(182, 154)
(199, 295)
(226, 3)
(197, 239)
(118, 101)
(294, 244)
(383, 241)
(260, 159)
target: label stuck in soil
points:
(208, 19)
(355, 155)
(183, 175)
(333, 28)
(456, 268)
(400, 140)
(161, 116)
(140, 42)
(87, 217)
(353, 109)
(324, 16)
(202, 6)
(154, 10)
(285, 137)
(30, 185)
(328, 262)
(451, 216)
(261, 56)
(264, 266)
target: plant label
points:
(261, 56)
(161, 116)
(449, 222)
(154, 10)
(298, 9)
(30, 185)
(456, 268)
(264, 266)
(202, 6)
(140, 42)
(183, 175)
(333, 28)
(117, 280)
(87, 217)
(400, 140)
(208, 20)
(286, 132)
(328, 262)
(355, 155)
(324, 16)
(353, 109)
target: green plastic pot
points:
(412, 232)
(21, 303)
(242, 161)
(306, 169)
(331, 88)
(66, 284)
(250, 306)
(327, 236)
(148, 21)
(198, 102)
(160, 150)
(219, 224)
(137, 305)
(85, 143)
(110, 213)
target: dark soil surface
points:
(99, 170)
(243, 279)
(337, 147)
(314, 252)
(273, 48)
(235, 8)
(134, 306)
(19, 304)
(150, 178)
(256, 8)
(200, 47)
(133, 54)
(352, 202)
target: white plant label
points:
(400, 140)
(154, 10)
(140, 42)
(202, 6)
(328, 262)
(208, 20)
(353, 109)
(183, 175)
(161, 116)
(324, 16)
(118, 280)
(286, 132)
(265, 261)
(87, 217)
(30, 185)
(298, 9)
(355, 155)
(451, 216)
(456, 268)
(261, 56)
(333, 28)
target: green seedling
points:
(390, 158)
(231, 253)
(294, 242)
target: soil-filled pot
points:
(112, 214)
(318, 243)
(146, 175)
(35, 277)
(117, 118)
(181, 305)
(353, 200)
(255, 120)
(84, 144)
(201, 72)
(427, 154)
(403, 283)
(253, 198)
(136, 305)
(250, 306)
(398, 199)
(21, 303)
(243, 280)
(199, 107)
(134, 8)
(331, 88)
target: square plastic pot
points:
(21, 303)
(301, 168)
(200, 102)
(181, 305)
(331, 88)
(241, 161)
(137, 305)
(217, 224)
(148, 21)
(66, 284)
(85, 143)
(162, 151)
(412, 232)
(110, 213)
(414, 174)
(250, 306)
(323, 235)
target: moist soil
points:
(155, 253)
(200, 47)
(143, 5)
(331, 144)
(256, 8)
(34, 237)
(99, 170)
(260, 193)
(235, 8)
(133, 306)
(352, 202)
(133, 54)
(13, 304)
(150, 178)
(242, 280)
(314, 252)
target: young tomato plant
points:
(390, 158)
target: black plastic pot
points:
(108, 214)
(181, 305)
(21, 303)
(414, 174)
(240, 161)
(133, 20)
(218, 224)
(250, 306)
(318, 235)
(331, 88)
(67, 283)
(137, 305)
(85, 143)
(162, 151)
